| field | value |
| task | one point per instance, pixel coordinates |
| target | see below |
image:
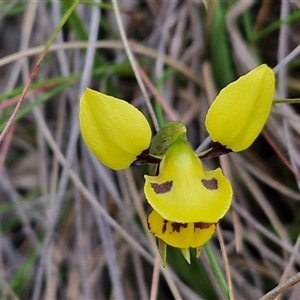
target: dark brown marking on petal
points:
(162, 188)
(201, 225)
(148, 223)
(145, 158)
(177, 226)
(164, 228)
(210, 184)
(216, 151)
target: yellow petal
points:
(180, 235)
(184, 192)
(114, 130)
(241, 109)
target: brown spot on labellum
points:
(177, 226)
(148, 223)
(162, 188)
(210, 184)
(164, 228)
(201, 225)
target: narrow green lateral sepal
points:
(186, 254)
(198, 252)
(162, 249)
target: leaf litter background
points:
(73, 229)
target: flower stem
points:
(216, 269)
(287, 100)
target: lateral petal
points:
(114, 130)
(239, 112)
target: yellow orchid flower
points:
(187, 201)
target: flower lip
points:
(194, 195)
(181, 235)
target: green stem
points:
(287, 100)
(59, 27)
(217, 271)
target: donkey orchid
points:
(187, 200)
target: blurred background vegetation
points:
(73, 229)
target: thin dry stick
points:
(289, 265)
(134, 63)
(281, 287)
(86, 193)
(25, 34)
(238, 240)
(247, 216)
(291, 261)
(156, 94)
(264, 177)
(240, 48)
(211, 91)
(138, 205)
(263, 202)
(13, 115)
(226, 264)
(155, 278)
(6, 291)
(63, 183)
(35, 69)
(261, 16)
(283, 49)
(293, 54)
(5, 147)
(27, 25)
(140, 278)
(135, 47)
(142, 215)
(210, 88)
(280, 155)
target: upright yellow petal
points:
(180, 235)
(114, 130)
(184, 192)
(239, 112)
